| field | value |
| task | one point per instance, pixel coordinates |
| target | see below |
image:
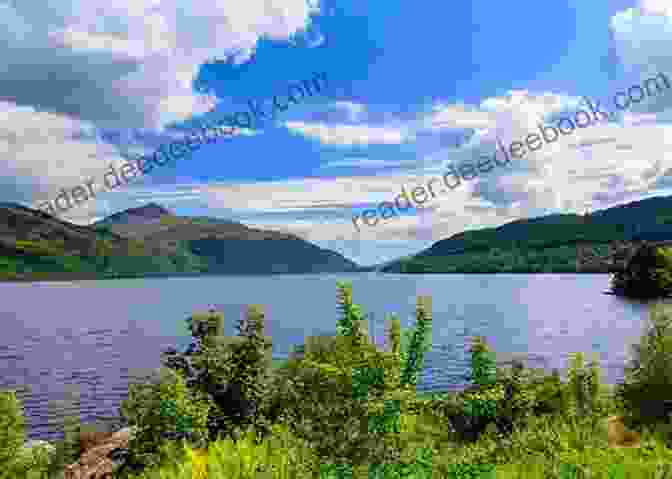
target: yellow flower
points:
(199, 464)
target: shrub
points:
(394, 334)
(646, 390)
(231, 371)
(547, 395)
(67, 411)
(471, 410)
(33, 462)
(483, 364)
(319, 407)
(501, 399)
(163, 410)
(577, 381)
(344, 396)
(251, 364)
(206, 324)
(12, 428)
(235, 373)
(281, 456)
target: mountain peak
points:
(150, 210)
(145, 213)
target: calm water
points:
(93, 336)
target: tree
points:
(647, 275)
(233, 371)
(646, 391)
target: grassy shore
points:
(549, 446)
(559, 429)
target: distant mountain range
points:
(545, 244)
(150, 241)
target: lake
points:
(92, 336)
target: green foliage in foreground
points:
(344, 395)
(12, 426)
(160, 408)
(648, 379)
(350, 410)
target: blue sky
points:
(413, 87)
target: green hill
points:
(149, 241)
(541, 245)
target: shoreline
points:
(86, 277)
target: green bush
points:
(12, 428)
(251, 364)
(584, 386)
(483, 364)
(202, 325)
(66, 411)
(344, 396)
(319, 408)
(547, 395)
(648, 379)
(281, 456)
(323, 404)
(33, 463)
(163, 410)
(233, 371)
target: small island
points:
(646, 275)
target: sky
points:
(412, 88)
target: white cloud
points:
(349, 135)
(642, 40)
(367, 163)
(72, 66)
(145, 56)
(40, 152)
(131, 63)
(661, 7)
(557, 177)
(458, 116)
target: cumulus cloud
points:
(642, 41)
(577, 173)
(349, 135)
(130, 63)
(458, 116)
(73, 66)
(144, 65)
(40, 151)
(368, 163)
(559, 176)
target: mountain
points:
(544, 244)
(142, 214)
(149, 241)
(227, 247)
(36, 245)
